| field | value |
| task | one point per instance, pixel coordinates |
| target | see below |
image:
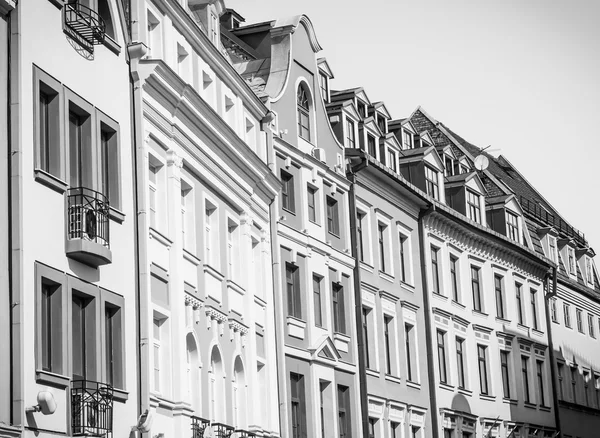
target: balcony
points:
(88, 227)
(83, 25)
(199, 425)
(221, 430)
(91, 408)
(241, 433)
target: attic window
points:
(449, 165)
(407, 140)
(362, 109)
(381, 123)
(303, 113)
(588, 270)
(512, 226)
(431, 182)
(571, 258)
(324, 84)
(473, 206)
(552, 253)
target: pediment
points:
(325, 349)
(324, 67)
(369, 124)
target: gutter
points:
(362, 362)
(549, 295)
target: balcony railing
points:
(222, 430)
(88, 212)
(84, 25)
(199, 425)
(241, 433)
(91, 408)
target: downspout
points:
(362, 363)
(548, 297)
(428, 328)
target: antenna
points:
(481, 162)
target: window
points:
(365, 333)
(344, 423)
(387, 328)
(350, 139)
(448, 165)
(415, 432)
(591, 325)
(187, 217)
(303, 113)
(403, 254)
(586, 387)
(287, 192)
(460, 362)
(49, 154)
(552, 249)
(214, 29)
(407, 140)
(473, 206)
(361, 107)
(454, 278)
(381, 242)
(574, 383)
(567, 314)
(539, 364)
(512, 226)
(51, 323)
(435, 271)
(324, 85)
(232, 248)
(553, 310)
(359, 229)
(391, 160)
(322, 388)
(499, 288)
(579, 316)
(519, 296)
(311, 198)
(561, 373)
(371, 149)
(475, 288)
(339, 313)
(431, 182)
(394, 429)
(534, 311)
(292, 280)
(411, 366)
(571, 258)
(211, 238)
(597, 388)
(441, 349)
(80, 148)
(333, 223)
(155, 206)
(588, 270)
(113, 345)
(504, 361)
(317, 300)
(156, 329)
(381, 123)
(298, 401)
(483, 372)
(83, 331)
(372, 422)
(525, 375)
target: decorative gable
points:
(325, 350)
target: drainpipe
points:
(362, 362)
(428, 329)
(551, 344)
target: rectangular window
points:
(473, 206)
(435, 271)
(232, 248)
(553, 310)
(211, 242)
(579, 316)
(553, 251)
(475, 288)
(534, 310)
(108, 166)
(431, 182)
(365, 333)
(519, 296)
(407, 140)
(156, 352)
(344, 423)
(49, 148)
(113, 331)
(152, 193)
(51, 323)
(586, 387)
(359, 229)
(409, 339)
(391, 160)
(525, 376)
(317, 300)
(322, 388)
(571, 256)
(350, 139)
(512, 226)
(460, 362)
(499, 288)
(403, 255)
(561, 377)
(591, 325)
(454, 278)
(372, 422)
(333, 222)
(339, 314)
(312, 209)
(441, 349)
(298, 402)
(303, 123)
(292, 280)
(323, 84)
(540, 380)
(574, 383)
(381, 243)
(371, 149)
(287, 192)
(483, 371)
(504, 364)
(387, 328)
(80, 149)
(83, 326)
(567, 314)
(588, 270)
(394, 429)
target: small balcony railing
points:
(199, 425)
(221, 430)
(84, 25)
(91, 408)
(241, 433)
(88, 215)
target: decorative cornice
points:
(193, 302)
(237, 326)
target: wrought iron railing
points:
(222, 430)
(84, 25)
(241, 433)
(536, 210)
(199, 425)
(88, 215)
(91, 408)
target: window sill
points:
(341, 342)
(391, 378)
(409, 287)
(502, 320)
(386, 276)
(372, 372)
(337, 236)
(439, 296)
(367, 267)
(413, 384)
(537, 332)
(545, 408)
(155, 234)
(314, 223)
(465, 391)
(509, 401)
(112, 45)
(296, 327)
(530, 405)
(447, 387)
(120, 395)
(52, 379)
(486, 397)
(49, 180)
(480, 313)
(288, 211)
(116, 215)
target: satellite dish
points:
(481, 162)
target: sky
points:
(520, 75)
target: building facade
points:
(204, 222)
(71, 240)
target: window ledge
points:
(314, 223)
(296, 327)
(386, 276)
(439, 296)
(537, 332)
(487, 397)
(120, 395)
(208, 269)
(459, 305)
(413, 384)
(155, 234)
(409, 287)
(502, 320)
(52, 379)
(391, 378)
(465, 391)
(337, 236)
(480, 313)
(523, 328)
(112, 45)
(56, 184)
(545, 408)
(293, 213)
(372, 372)
(509, 401)
(341, 342)
(530, 405)
(447, 387)
(116, 215)
(190, 257)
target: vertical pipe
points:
(551, 348)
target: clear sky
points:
(521, 75)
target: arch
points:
(239, 393)
(216, 382)
(305, 110)
(193, 371)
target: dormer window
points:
(473, 206)
(371, 145)
(303, 113)
(361, 108)
(324, 84)
(381, 123)
(571, 261)
(588, 270)
(552, 251)
(407, 140)
(391, 160)
(350, 139)
(512, 226)
(214, 29)
(449, 165)
(431, 182)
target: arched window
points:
(303, 104)
(239, 395)
(216, 376)
(193, 372)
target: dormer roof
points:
(381, 109)
(463, 179)
(324, 67)
(371, 125)
(390, 138)
(350, 93)
(346, 106)
(416, 154)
